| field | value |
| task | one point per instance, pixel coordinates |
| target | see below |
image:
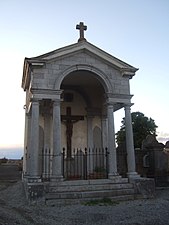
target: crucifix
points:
(69, 120)
(81, 27)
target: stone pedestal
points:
(144, 187)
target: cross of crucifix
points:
(69, 120)
(81, 27)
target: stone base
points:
(40, 192)
(132, 176)
(145, 187)
(35, 192)
(56, 179)
(34, 189)
(115, 178)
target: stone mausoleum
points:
(71, 96)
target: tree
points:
(142, 126)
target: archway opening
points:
(82, 109)
(82, 130)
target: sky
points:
(135, 31)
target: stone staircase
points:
(72, 192)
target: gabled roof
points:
(126, 69)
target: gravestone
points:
(155, 159)
(166, 148)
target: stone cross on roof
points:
(81, 27)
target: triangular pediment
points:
(88, 48)
(74, 50)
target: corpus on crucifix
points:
(69, 120)
(81, 27)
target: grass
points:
(101, 202)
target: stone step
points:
(61, 202)
(86, 182)
(69, 192)
(89, 194)
(80, 197)
(88, 187)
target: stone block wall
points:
(46, 77)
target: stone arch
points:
(101, 76)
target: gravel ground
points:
(14, 210)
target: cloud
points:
(163, 137)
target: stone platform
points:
(76, 191)
(70, 192)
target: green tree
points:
(142, 126)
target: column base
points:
(115, 177)
(133, 176)
(31, 179)
(56, 178)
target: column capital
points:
(128, 105)
(109, 102)
(110, 106)
(56, 102)
(34, 100)
(104, 117)
(28, 114)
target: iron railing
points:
(82, 165)
(85, 164)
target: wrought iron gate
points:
(82, 165)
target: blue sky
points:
(134, 31)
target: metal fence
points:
(83, 164)
(93, 164)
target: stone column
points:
(130, 144)
(57, 157)
(34, 140)
(26, 144)
(111, 143)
